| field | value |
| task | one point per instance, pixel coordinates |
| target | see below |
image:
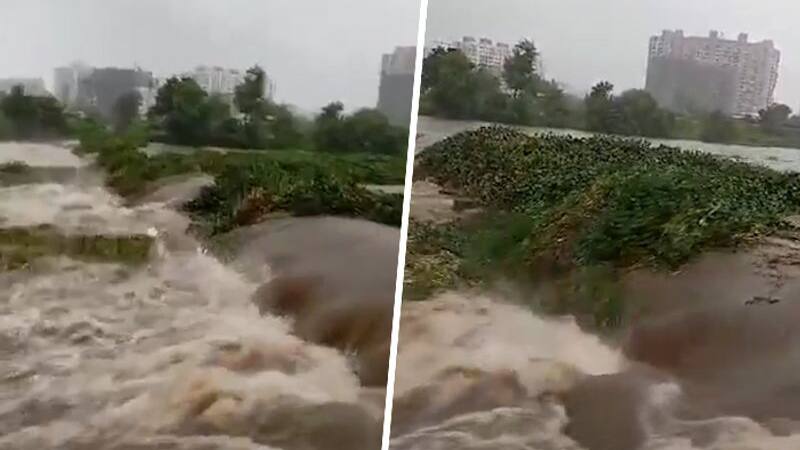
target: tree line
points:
(455, 88)
(185, 114)
(25, 117)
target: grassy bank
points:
(556, 205)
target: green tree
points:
(250, 100)
(600, 108)
(717, 127)
(432, 67)
(21, 111)
(250, 95)
(328, 127)
(552, 106)
(369, 131)
(486, 100)
(183, 112)
(774, 117)
(519, 70)
(126, 110)
(452, 85)
(285, 129)
(636, 113)
(32, 117)
(6, 130)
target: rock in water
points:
(336, 278)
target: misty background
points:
(315, 51)
(583, 42)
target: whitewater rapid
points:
(170, 355)
(476, 372)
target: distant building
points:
(31, 86)
(711, 73)
(482, 52)
(67, 81)
(100, 89)
(148, 96)
(397, 85)
(221, 81)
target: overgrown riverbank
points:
(557, 206)
(250, 186)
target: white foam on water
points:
(40, 155)
(549, 356)
(172, 355)
(469, 331)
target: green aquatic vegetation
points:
(573, 213)
(131, 171)
(610, 200)
(247, 192)
(20, 246)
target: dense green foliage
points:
(28, 117)
(632, 113)
(184, 114)
(248, 191)
(572, 214)
(519, 70)
(251, 185)
(774, 117)
(608, 200)
(716, 127)
(454, 88)
(366, 131)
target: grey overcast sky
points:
(585, 41)
(315, 50)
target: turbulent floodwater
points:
(433, 129)
(475, 373)
(168, 356)
(479, 372)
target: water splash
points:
(172, 355)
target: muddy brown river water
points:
(170, 355)
(705, 367)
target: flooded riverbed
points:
(168, 355)
(711, 366)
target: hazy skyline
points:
(316, 52)
(583, 42)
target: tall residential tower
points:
(397, 85)
(703, 74)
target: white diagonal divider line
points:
(401, 255)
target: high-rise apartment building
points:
(397, 85)
(741, 75)
(482, 52)
(99, 90)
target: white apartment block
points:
(755, 63)
(482, 52)
(218, 80)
